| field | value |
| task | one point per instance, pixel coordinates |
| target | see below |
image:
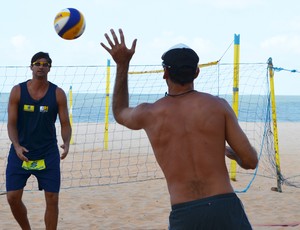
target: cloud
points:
(230, 4)
(168, 39)
(18, 41)
(293, 23)
(16, 50)
(156, 47)
(203, 45)
(285, 43)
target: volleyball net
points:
(103, 152)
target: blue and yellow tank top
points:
(36, 122)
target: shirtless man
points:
(188, 131)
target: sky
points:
(267, 28)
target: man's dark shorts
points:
(222, 212)
(48, 178)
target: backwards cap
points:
(179, 56)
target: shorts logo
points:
(28, 108)
(43, 109)
(34, 165)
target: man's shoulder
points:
(16, 89)
(210, 98)
(21, 84)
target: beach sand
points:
(145, 205)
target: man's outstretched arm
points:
(122, 56)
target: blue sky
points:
(267, 28)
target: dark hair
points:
(40, 55)
(182, 75)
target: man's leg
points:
(51, 214)
(18, 208)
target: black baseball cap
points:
(179, 56)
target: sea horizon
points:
(90, 107)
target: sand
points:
(145, 205)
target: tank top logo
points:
(43, 109)
(28, 108)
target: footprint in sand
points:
(88, 206)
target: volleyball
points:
(69, 23)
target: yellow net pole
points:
(71, 112)
(107, 105)
(275, 130)
(235, 98)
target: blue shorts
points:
(48, 178)
(216, 212)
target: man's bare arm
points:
(122, 56)
(241, 149)
(66, 130)
(13, 104)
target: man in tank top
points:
(32, 112)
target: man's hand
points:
(230, 153)
(119, 52)
(65, 147)
(20, 150)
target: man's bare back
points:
(188, 131)
(189, 143)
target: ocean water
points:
(91, 107)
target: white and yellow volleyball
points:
(69, 23)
